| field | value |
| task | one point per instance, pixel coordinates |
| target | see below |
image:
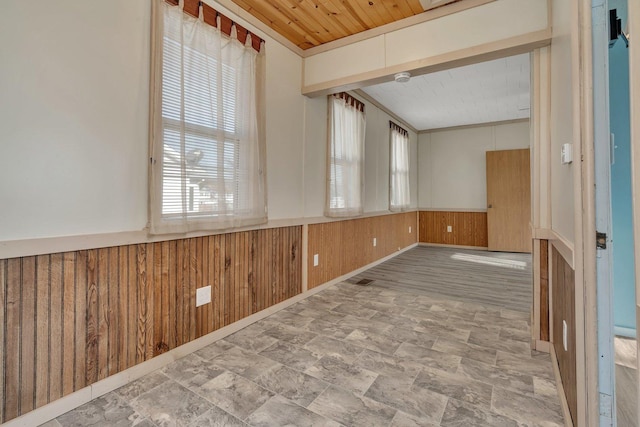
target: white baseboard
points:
(80, 397)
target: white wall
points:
(74, 96)
(452, 163)
(376, 198)
(561, 121)
(285, 133)
(499, 20)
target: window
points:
(207, 147)
(399, 169)
(345, 156)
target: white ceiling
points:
(480, 93)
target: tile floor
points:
(626, 358)
(354, 356)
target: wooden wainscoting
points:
(467, 228)
(544, 290)
(563, 308)
(345, 246)
(71, 319)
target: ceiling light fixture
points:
(402, 77)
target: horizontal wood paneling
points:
(345, 246)
(71, 319)
(467, 228)
(563, 300)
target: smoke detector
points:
(402, 77)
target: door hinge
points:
(601, 240)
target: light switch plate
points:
(316, 261)
(375, 242)
(564, 335)
(203, 296)
(449, 229)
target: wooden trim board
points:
(47, 245)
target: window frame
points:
(399, 173)
(349, 208)
(180, 199)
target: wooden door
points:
(509, 200)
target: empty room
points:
(317, 212)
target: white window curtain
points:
(399, 169)
(345, 165)
(207, 126)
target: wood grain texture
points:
(70, 319)
(344, 246)
(563, 292)
(467, 228)
(509, 200)
(544, 290)
(309, 23)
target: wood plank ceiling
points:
(310, 23)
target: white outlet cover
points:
(316, 261)
(375, 242)
(409, 229)
(564, 334)
(449, 229)
(203, 296)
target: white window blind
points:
(207, 143)
(399, 169)
(345, 175)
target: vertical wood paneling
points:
(150, 303)
(70, 319)
(103, 313)
(132, 306)
(28, 334)
(92, 318)
(544, 290)
(12, 358)
(143, 312)
(467, 228)
(164, 289)
(564, 309)
(3, 323)
(157, 300)
(113, 308)
(81, 319)
(42, 330)
(122, 302)
(68, 313)
(55, 326)
(344, 246)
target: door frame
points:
(633, 13)
(604, 262)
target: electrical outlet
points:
(564, 335)
(409, 229)
(316, 260)
(203, 296)
(449, 229)
(375, 242)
